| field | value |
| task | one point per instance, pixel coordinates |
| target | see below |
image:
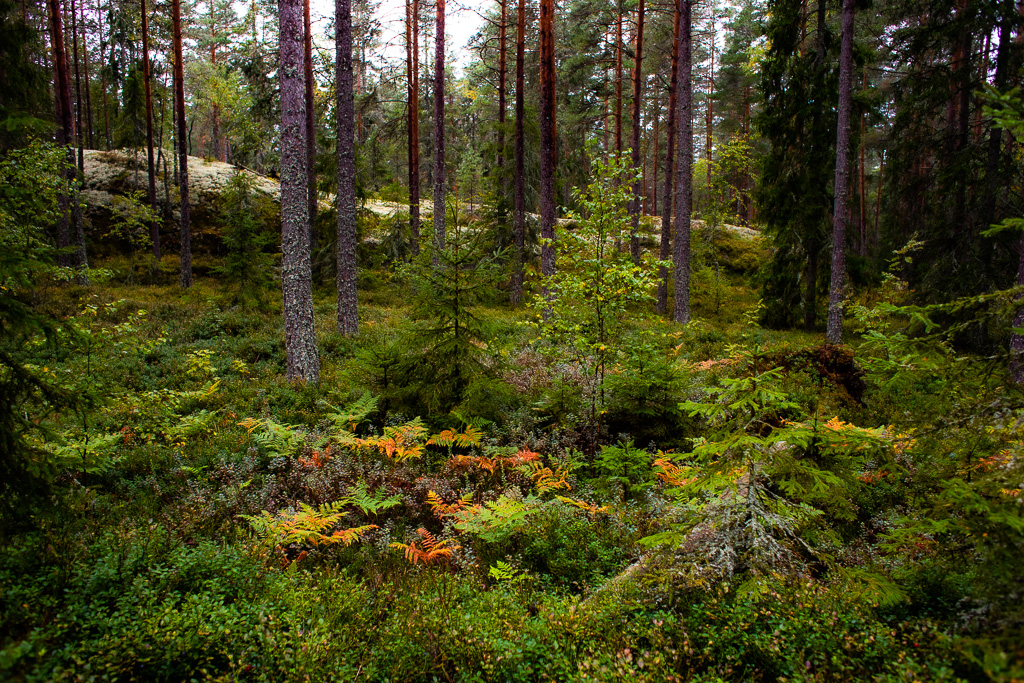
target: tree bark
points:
(65, 130)
(834, 331)
(635, 205)
(519, 202)
(439, 166)
(348, 317)
(303, 362)
(85, 68)
(413, 78)
(103, 76)
(154, 227)
(618, 79)
(547, 137)
(179, 112)
(684, 168)
(666, 205)
(502, 72)
(307, 63)
(78, 92)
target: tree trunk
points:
(1016, 340)
(439, 167)
(618, 79)
(654, 159)
(303, 361)
(65, 130)
(307, 63)
(709, 120)
(547, 137)
(78, 92)
(103, 76)
(502, 71)
(684, 169)
(179, 112)
(635, 205)
(348, 318)
(413, 78)
(154, 227)
(992, 174)
(85, 68)
(519, 204)
(666, 205)
(834, 333)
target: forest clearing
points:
(706, 367)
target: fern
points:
(400, 443)
(371, 503)
(547, 480)
(307, 526)
(346, 419)
(273, 437)
(503, 572)
(495, 521)
(592, 508)
(433, 551)
(442, 509)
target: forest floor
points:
(214, 521)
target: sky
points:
(462, 21)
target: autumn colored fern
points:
(442, 509)
(307, 526)
(430, 550)
(592, 508)
(547, 480)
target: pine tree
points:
(348, 317)
(835, 298)
(548, 157)
(303, 361)
(182, 139)
(684, 168)
(439, 160)
(519, 173)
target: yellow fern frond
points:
(432, 551)
(547, 480)
(592, 508)
(442, 509)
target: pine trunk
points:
(85, 68)
(179, 113)
(834, 333)
(103, 77)
(154, 228)
(635, 205)
(78, 92)
(303, 361)
(618, 80)
(519, 203)
(307, 63)
(684, 169)
(665, 252)
(348, 317)
(413, 105)
(439, 167)
(547, 137)
(65, 130)
(502, 72)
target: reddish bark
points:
(519, 204)
(439, 165)
(666, 206)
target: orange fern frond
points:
(443, 509)
(547, 480)
(432, 552)
(350, 536)
(524, 456)
(446, 438)
(672, 474)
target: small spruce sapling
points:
(248, 267)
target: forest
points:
(633, 340)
